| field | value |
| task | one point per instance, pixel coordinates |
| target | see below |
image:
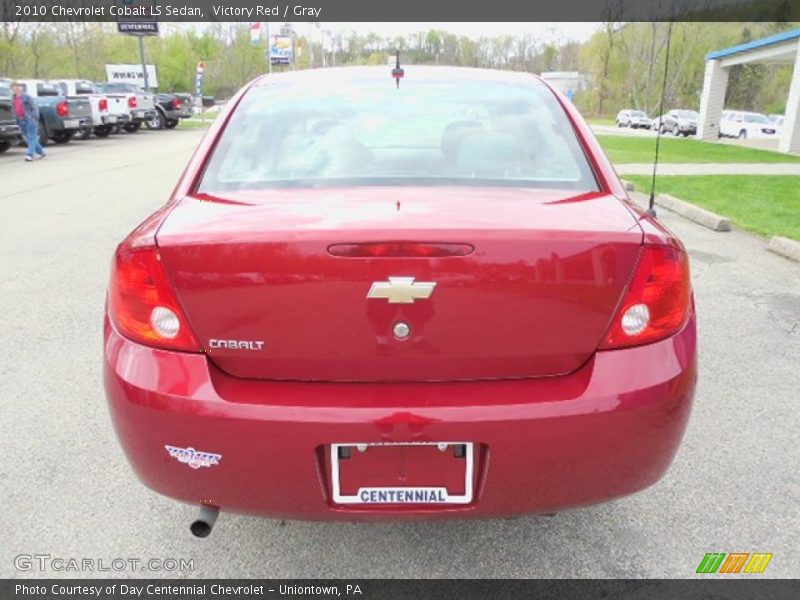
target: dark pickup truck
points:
(9, 130)
(60, 118)
(170, 109)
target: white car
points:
(746, 125)
(633, 118)
(777, 121)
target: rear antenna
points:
(397, 72)
(651, 209)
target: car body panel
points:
(531, 300)
(609, 429)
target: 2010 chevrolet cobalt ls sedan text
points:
(380, 298)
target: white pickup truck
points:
(142, 105)
(105, 113)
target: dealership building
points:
(783, 48)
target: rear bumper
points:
(9, 131)
(177, 114)
(607, 430)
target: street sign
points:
(138, 27)
(131, 74)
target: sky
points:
(546, 32)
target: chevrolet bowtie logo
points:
(401, 290)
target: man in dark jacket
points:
(27, 114)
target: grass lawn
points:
(602, 121)
(764, 204)
(624, 149)
(194, 123)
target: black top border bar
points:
(403, 11)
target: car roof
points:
(428, 73)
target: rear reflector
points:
(657, 302)
(400, 250)
(141, 303)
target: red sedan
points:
(373, 297)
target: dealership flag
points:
(198, 82)
(255, 34)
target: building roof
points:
(778, 38)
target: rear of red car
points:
(366, 301)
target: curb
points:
(694, 213)
(785, 247)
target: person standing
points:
(27, 114)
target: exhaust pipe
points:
(201, 527)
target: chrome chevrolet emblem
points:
(401, 290)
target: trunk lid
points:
(533, 298)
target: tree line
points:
(622, 64)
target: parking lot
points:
(68, 491)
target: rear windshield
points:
(453, 132)
(637, 113)
(755, 118)
(84, 87)
(47, 89)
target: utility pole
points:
(269, 47)
(144, 63)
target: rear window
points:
(427, 132)
(755, 118)
(47, 89)
(637, 113)
(84, 87)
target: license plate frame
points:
(357, 499)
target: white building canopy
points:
(782, 48)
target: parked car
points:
(680, 122)
(9, 130)
(655, 123)
(633, 118)
(371, 302)
(60, 118)
(170, 109)
(106, 113)
(777, 121)
(744, 125)
(141, 104)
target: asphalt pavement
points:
(68, 492)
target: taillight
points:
(141, 302)
(103, 105)
(131, 101)
(176, 102)
(62, 108)
(657, 303)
